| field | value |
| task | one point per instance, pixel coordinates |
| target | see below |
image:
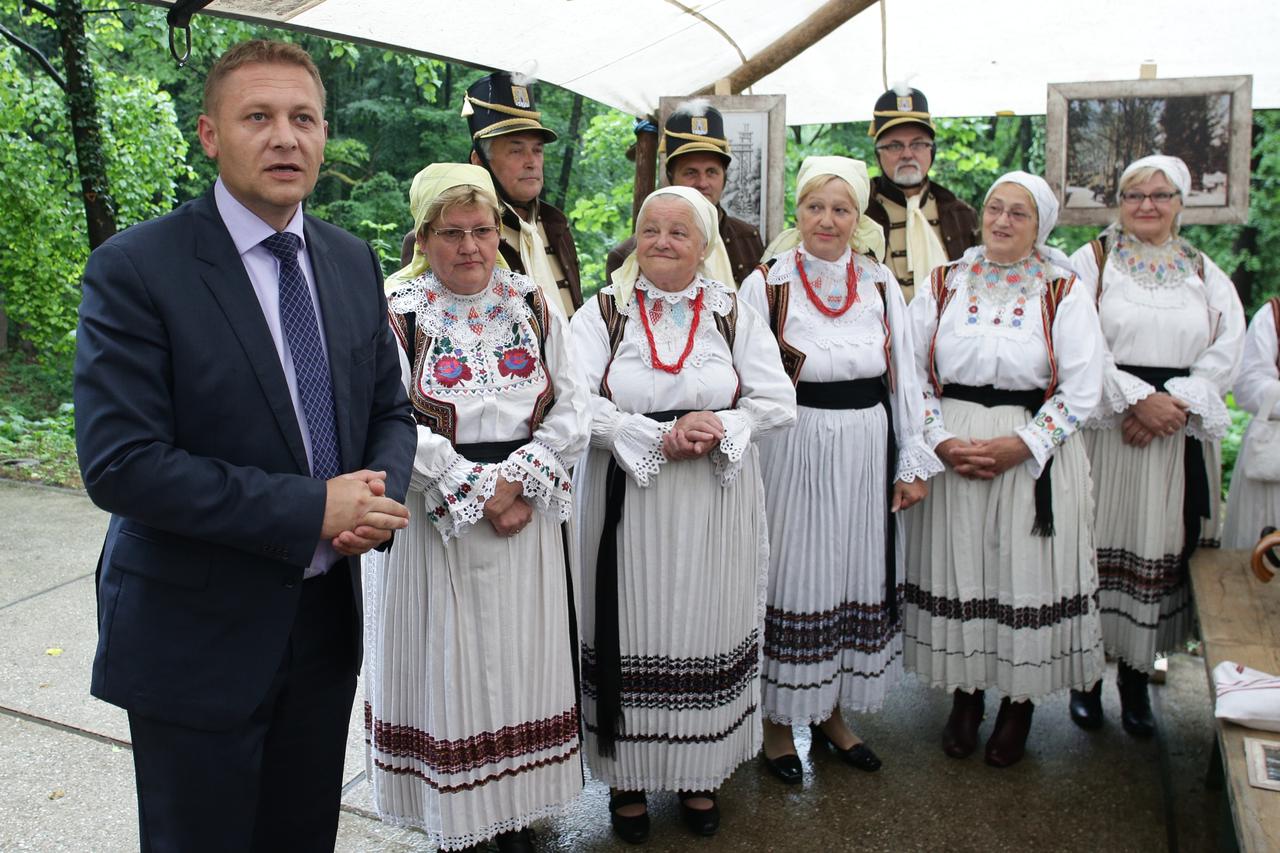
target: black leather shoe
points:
(633, 830)
(520, 841)
(1135, 702)
(700, 821)
(1086, 707)
(785, 767)
(859, 755)
(960, 735)
(1008, 742)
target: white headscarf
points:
(715, 258)
(1172, 167)
(1046, 209)
(815, 171)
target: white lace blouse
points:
(851, 346)
(485, 362)
(992, 333)
(708, 380)
(1156, 312)
(1259, 373)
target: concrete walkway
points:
(66, 770)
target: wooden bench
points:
(1240, 621)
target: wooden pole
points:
(646, 164)
(792, 43)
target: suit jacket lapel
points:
(336, 315)
(226, 278)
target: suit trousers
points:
(273, 782)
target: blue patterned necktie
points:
(310, 366)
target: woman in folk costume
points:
(1174, 330)
(833, 482)
(1001, 580)
(671, 513)
(472, 715)
(1254, 503)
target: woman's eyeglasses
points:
(1136, 198)
(1016, 215)
(453, 236)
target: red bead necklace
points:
(850, 282)
(648, 333)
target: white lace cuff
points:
(728, 455)
(1209, 418)
(917, 462)
(637, 445)
(1120, 391)
(456, 500)
(544, 476)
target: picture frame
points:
(1263, 760)
(1094, 130)
(756, 127)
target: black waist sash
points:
(489, 452)
(607, 674)
(1195, 479)
(863, 394)
(1031, 400)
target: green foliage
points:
(1232, 440)
(37, 426)
(604, 180)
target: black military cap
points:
(496, 105)
(893, 109)
(694, 127)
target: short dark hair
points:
(257, 50)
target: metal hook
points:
(173, 48)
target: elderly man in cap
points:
(698, 157)
(507, 138)
(925, 225)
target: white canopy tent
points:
(975, 58)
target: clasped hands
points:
(358, 515)
(1154, 416)
(694, 435)
(983, 459)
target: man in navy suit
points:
(239, 412)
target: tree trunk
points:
(570, 145)
(86, 129)
(1024, 141)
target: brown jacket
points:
(957, 221)
(559, 242)
(741, 240)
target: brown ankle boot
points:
(960, 736)
(1009, 740)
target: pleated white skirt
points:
(988, 603)
(692, 560)
(1145, 599)
(828, 639)
(1251, 504)
(471, 715)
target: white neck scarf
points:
(924, 249)
(533, 257)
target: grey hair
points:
(486, 147)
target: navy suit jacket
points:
(186, 434)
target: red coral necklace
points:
(648, 333)
(850, 282)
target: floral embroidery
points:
(1001, 292)
(1055, 419)
(516, 362)
(450, 370)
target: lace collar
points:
(440, 311)
(784, 268)
(718, 299)
(1167, 265)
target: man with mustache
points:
(925, 224)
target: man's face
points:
(702, 171)
(267, 132)
(516, 163)
(905, 153)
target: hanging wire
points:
(884, 46)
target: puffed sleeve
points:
(1078, 349)
(916, 460)
(751, 292)
(1120, 389)
(922, 317)
(766, 400)
(1259, 377)
(1214, 369)
(543, 464)
(634, 440)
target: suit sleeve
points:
(125, 430)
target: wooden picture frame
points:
(1094, 130)
(756, 127)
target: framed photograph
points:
(1263, 760)
(1094, 130)
(756, 126)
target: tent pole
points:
(792, 43)
(646, 151)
